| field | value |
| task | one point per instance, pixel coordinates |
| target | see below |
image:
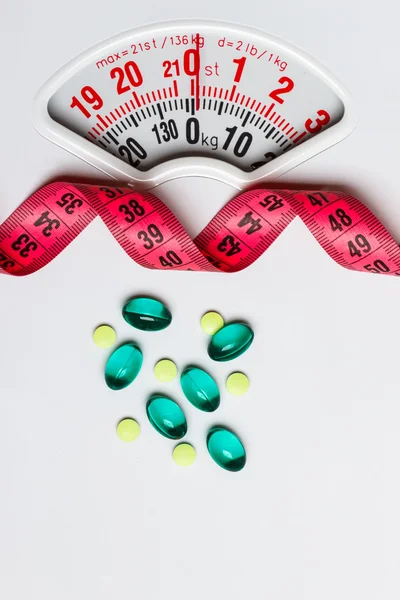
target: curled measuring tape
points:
(153, 237)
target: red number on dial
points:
(316, 125)
(287, 86)
(90, 96)
(240, 62)
(133, 74)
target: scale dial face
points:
(194, 98)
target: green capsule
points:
(226, 449)
(123, 366)
(230, 342)
(146, 314)
(200, 389)
(166, 416)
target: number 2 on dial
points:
(287, 86)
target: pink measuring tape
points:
(153, 237)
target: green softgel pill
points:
(200, 389)
(184, 455)
(230, 342)
(123, 366)
(226, 449)
(166, 416)
(147, 314)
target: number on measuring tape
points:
(359, 246)
(317, 199)
(5, 262)
(112, 192)
(49, 223)
(132, 210)
(24, 245)
(150, 237)
(69, 202)
(271, 202)
(378, 266)
(339, 220)
(229, 246)
(248, 219)
(170, 259)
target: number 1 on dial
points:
(240, 62)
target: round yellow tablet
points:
(211, 322)
(128, 430)
(237, 384)
(104, 336)
(184, 455)
(165, 370)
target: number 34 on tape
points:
(153, 237)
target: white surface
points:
(315, 512)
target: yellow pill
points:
(237, 384)
(104, 336)
(128, 430)
(211, 322)
(184, 455)
(165, 370)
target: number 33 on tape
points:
(153, 237)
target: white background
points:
(315, 513)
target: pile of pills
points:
(228, 341)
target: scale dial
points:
(194, 98)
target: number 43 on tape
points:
(153, 237)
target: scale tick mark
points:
(112, 138)
(246, 118)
